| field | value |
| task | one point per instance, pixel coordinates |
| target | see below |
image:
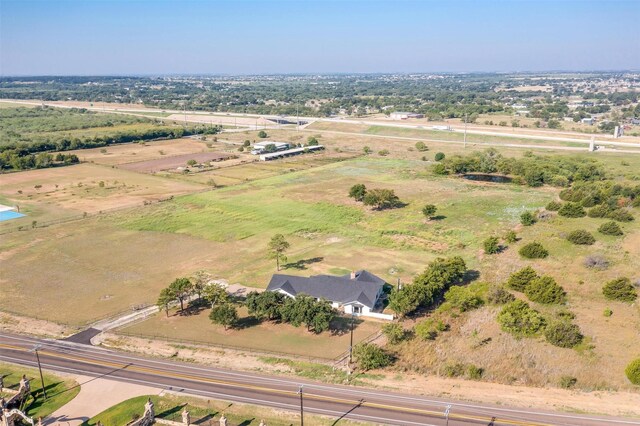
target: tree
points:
(215, 294)
(358, 191)
(180, 288)
(312, 141)
(533, 250)
(511, 237)
(491, 245)
(277, 246)
(262, 134)
(610, 228)
(633, 371)
(518, 318)
(420, 146)
(553, 206)
(572, 210)
(581, 237)
(192, 162)
(265, 305)
(429, 210)
(224, 314)
(381, 199)
(545, 290)
(369, 356)
(563, 334)
(464, 298)
(620, 215)
(199, 281)
(439, 156)
(164, 299)
(429, 328)
(620, 289)
(520, 280)
(394, 332)
(527, 218)
(404, 301)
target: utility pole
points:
(351, 340)
(465, 130)
(297, 117)
(44, 392)
(301, 407)
(184, 106)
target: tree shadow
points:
(438, 217)
(470, 275)
(302, 263)
(247, 422)
(342, 325)
(246, 322)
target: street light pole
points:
(44, 392)
(301, 407)
(465, 130)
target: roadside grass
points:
(59, 390)
(195, 326)
(169, 407)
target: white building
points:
(399, 115)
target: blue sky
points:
(95, 37)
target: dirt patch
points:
(176, 161)
(16, 324)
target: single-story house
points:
(401, 115)
(358, 293)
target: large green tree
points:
(277, 247)
(180, 289)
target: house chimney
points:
(353, 275)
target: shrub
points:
(581, 237)
(383, 152)
(571, 210)
(620, 215)
(463, 298)
(394, 332)
(262, 134)
(453, 370)
(369, 356)
(553, 206)
(610, 228)
(533, 250)
(474, 372)
(563, 334)
(429, 210)
(596, 261)
(491, 245)
(567, 382)
(519, 319)
(439, 156)
(429, 328)
(620, 289)
(527, 218)
(607, 312)
(366, 150)
(545, 290)
(520, 280)
(633, 371)
(499, 296)
(358, 191)
(599, 211)
(511, 237)
(420, 146)
(440, 169)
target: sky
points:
(154, 37)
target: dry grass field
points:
(56, 193)
(282, 338)
(167, 163)
(132, 152)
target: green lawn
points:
(171, 407)
(59, 390)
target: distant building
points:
(399, 115)
(359, 293)
(589, 120)
(261, 147)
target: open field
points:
(60, 192)
(131, 152)
(196, 327)
(59, 390)
(166, 163)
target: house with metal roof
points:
(358, 293)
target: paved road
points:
(336, 401)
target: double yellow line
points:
(164, 373)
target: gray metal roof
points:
(364, 289)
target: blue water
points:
(9, 214)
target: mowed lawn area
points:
(252, 334)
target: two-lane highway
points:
(278, 392)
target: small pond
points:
(483, 177)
